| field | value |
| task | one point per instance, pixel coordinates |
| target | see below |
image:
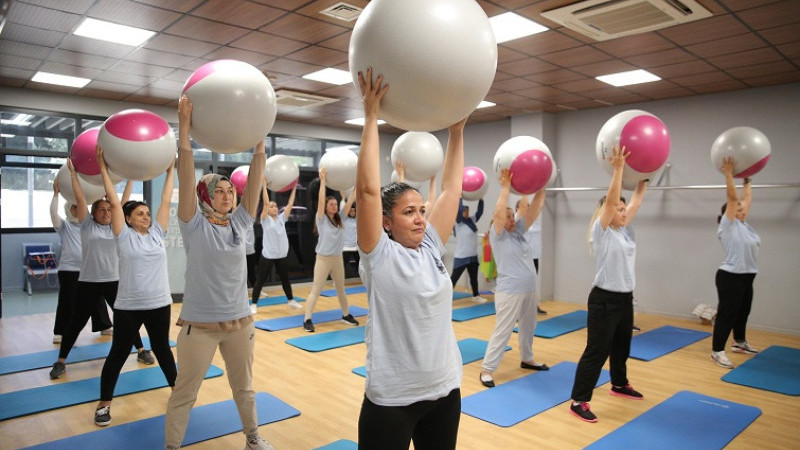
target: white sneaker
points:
(257, 443)
(253, 309)
(479, 299)
(107, 332)
(722, 359)
(743, 347)
(56, 339)
(294, 305)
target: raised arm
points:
(747, 197)
(479, 212)
(617, 159)
(444, 209)
(54, 217)
(535, 208)
(323, 176)
(187, 195)
(80, 199)
(732, 197)
(400, 170)
(431, 196)
(636, 200)
(349, 204)
(369, 219)
(460, 214)
(254, 179)
(126, 193)
(265, 197)
(117, 216)
(500, 215)
(162, 215)
(287, 210)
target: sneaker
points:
(635, 328)
(743, 347)
(56, 339)
(626, 391)
(102, 416)
(540, 311)
(350, 320)
(253, 309)
(294, 305)
(478, 299)
(487, 380)
(107, 332)
(582, 411)
(145, 357)
(58, 370)
(257, 443)
(721, 359)
(308, 325)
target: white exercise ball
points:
(137, 144)
(91, 192)
(748, 146)
(529, 160)
(394, 178)
(341, 166)
(474, 183)
(420, 152)
(282, 173)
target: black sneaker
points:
(540, 311)
(58, 370)
(145, 357)
(350, 320)
(102, 416)
(308, 326)
(582, 411)
(626, 391)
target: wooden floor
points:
(329, 396)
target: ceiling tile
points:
(206, 30)
(290, 67)
(113, 76)
(724, 46)
(288, 5)
(749, 57)
(719, 87)
(66, 69)
(603, 68)
(180, 45)
(781, 35)
(773, 79)
(93, 46)
(660, 58)
(766, 69)
(703, 78)
(554, 76)
(319, 55)
(132, 14)
(42, 18)
(174, 5)
(313, 10)
(772, 15)
(791, 51)
(252, 58)
(635, 45)
(525, 67)
(269, 44)
(100, 93)
(21, 62)
(340, 42)
(542, 43)
(81, 59)
(513, 84)
(239, 13)
(72, 6)
(672, 71)
(574, 56)
(23, 49)
(704, 30)
(302, 28)
(166, 59)
(110, 86)
(31, 35)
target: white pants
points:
(324, 266)
(511, 308)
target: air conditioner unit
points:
(609, 19)
(297, 99)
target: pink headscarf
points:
(205, 195)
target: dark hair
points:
(130, 206)
(722, 212)
(97, 202)
(336, 220)
(390, 193)
(603, 200)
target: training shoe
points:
(56, 339)
(582, 411)
(534, 366)
(743, 347)
(294, 305)
(626, 391)
(478, 299)
(540, 311)
(107, 332)
(253, 309)
(308, 325)
(350, 320)
(487, 380)
(102, 416)
(257, 443)
(145, 357)
(721, 359)
(58, 370)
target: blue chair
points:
(38, 262)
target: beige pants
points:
(324, 266)
(196, 348)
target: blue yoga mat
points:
(654, 343)
(39, 360)
(205, 422)
(509, 403)
(59, 395)
(325, 341)
(342, 444)
(471, 350)
(686, 420)
(348, 290)
(775, 369)
(563, 324)
(284, 323)
(281, 299)
(473, 312)
(459, 295)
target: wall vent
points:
(609, 19)
(297, 99)
(343, 11)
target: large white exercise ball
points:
(439, 58)
(643, 135)
(137, 144)
(282, 173)
(529, 161)
(394, 178)
(748, 146)
(474, 183)
(341, 166)
(233, 105)
(91, 191)
(420, 152)
(83, 154)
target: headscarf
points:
(68, 212)
(205, 195)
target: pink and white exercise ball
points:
(137, 144)
(91, 192)
(749, 147)
(341, 166)
(439, 58)
(282, 173)
(420, 152)
(529, 161)
(553, 174)
(234, 105)
(239, 178)
(415, 184)
(643, 135)
(473, 183)
(83, 155)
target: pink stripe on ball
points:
(530, 171)
(83, 153)
(137, 125)
(647, 140)
(473, 179)
(209, 68)
(754, 169)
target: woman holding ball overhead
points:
(735, 276)
(610, 304)
(413, 362)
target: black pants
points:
(609, 331)
(67, 294)
(126, 332)
(252, 260)
(472, 271)
(263, 269)
(432, 425)
(351, 259)
(735, 293)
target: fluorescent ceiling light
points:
(485, 104)
(509, 26)
(19, 119)
(628, 78)
(112, 32)
(61, 80)
(8, 135)
(330, 75)
(360, 121)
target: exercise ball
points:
(529, 161)
(749, 147)
(415, 184)
(282, 173)
(137, 144)
(91, 192)
(233, 106)
(473, 183)
(439, 58)
(643, 135)
(83, 155)
(341, 166)
(553, 174)
(420, 152)
(239, 178)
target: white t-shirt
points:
(534, 238)
(250, 241)
(331, 238)
(275, 242)
(70, 234)
(143, 278)
(740, 242)
(516, 273)
(466, 240)
(412, 352)
(100, 261)
(350, 241)
(615, 257)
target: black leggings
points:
(472, 271)
(735, 293)
(67, 293)
(432, 425)
(252, 260)
(263, 269)
(126, 331)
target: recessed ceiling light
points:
(330, 75)
(485, 104)
(18, 119)
(628, 78)
(112, 32)
(61, 80)
(509, 26)
(360, 121)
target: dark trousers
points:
(263, 269)
(351, 260)
(126, 332)
(67, 294)
(252, 261)
(609, 331)
(735, 293)
(472, 271)
(432, 425)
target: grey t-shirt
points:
(276, 242)
(70, 234)
(516, 273)
(143, 278)
(615, 257)
(331, 237)
(100, 261)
